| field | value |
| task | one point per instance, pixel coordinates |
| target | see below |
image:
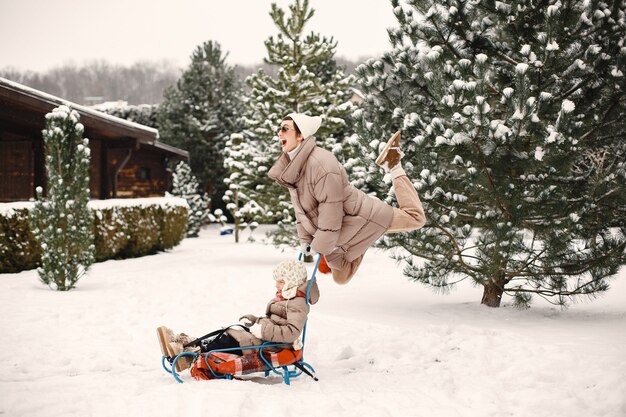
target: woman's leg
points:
(347, 271)
(410, 215)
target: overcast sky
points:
(41, 34)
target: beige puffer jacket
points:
(337, 219)
(283, 321)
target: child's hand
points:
(306, 249)
(247, 320)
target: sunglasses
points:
(283, 128)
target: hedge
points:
(123, 228)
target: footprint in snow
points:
(346, 353)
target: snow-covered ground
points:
(382, 346)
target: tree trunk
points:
(236, 197)
(492, 294)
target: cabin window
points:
(143, 174)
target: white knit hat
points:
(293, 273)
(308, 125)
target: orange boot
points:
(323, 266)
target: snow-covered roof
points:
(57, 101)
(143, 134)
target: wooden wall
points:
(143, 175)
(17, 174)
(95, 170)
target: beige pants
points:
(409, 216)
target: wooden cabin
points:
(127, 159)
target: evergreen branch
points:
(552, 293)
(593, 30)
(458, 250)
(424, 90)
(444, 40)
(488, 43)
(485, 169)
(445, 284)
(574, 88)
(617, 135)
(601, 125)
(505, 58)
(583, 266)
(530, 260)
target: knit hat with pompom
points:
(293, 273)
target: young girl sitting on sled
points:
(283, 322)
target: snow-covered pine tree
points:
(185, 185)
(513, 121)
(200, 111)
(144, 114)
(238, 157)
(63, 225)
(308, 81)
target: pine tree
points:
(185, 185)
(513, 117)
(144, 114)
(200, 112)
(308, 81)
(63, 224)
(238, 157)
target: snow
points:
(552, 46)
(381, 345)
(553, 9)
(539, 153)
(568, 106)
(545, 95)
(501, 131)
(8, 209)
(137, 202)
(521, 68)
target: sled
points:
(219, 364)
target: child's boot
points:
(183, 362)
(172, 346)
(165, 336)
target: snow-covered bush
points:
(123, 228)
(130, 231)
(18, 248)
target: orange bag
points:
(229, 364)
